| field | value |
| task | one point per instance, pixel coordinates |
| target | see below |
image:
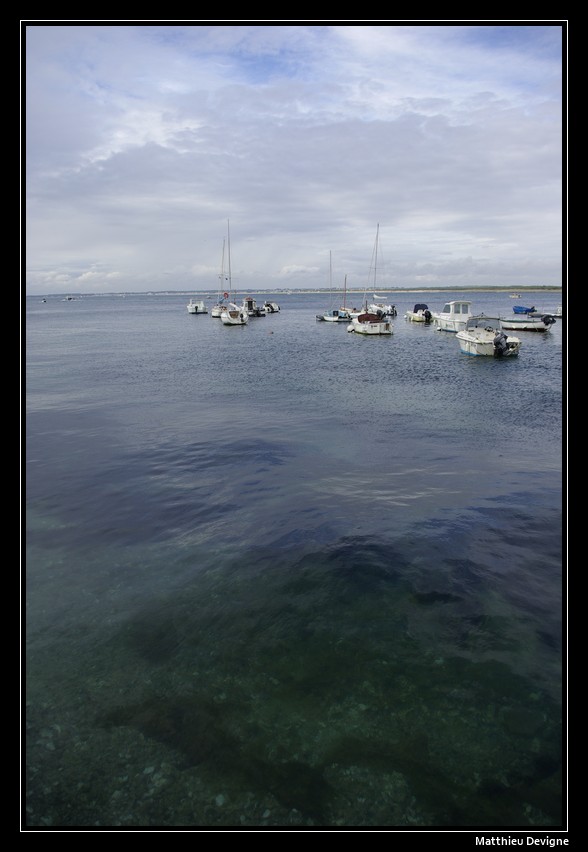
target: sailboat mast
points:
(330, 272)
(376, 258)
(229, 256)
(221, 288)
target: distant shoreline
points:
(291, 292)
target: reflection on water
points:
(270, 591)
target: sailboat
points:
(232, 314)
(351, 312)
(333, 315)
(371, 321)
(217, 309)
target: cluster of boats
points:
(455, 314)
(373, 318)
(226, 309)
(231, 313)
(477, 334)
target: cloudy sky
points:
(144, 140)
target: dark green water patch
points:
(448, 800)
(434, 597)
(291, 686)
(200, 733)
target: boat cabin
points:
(196, 306)
(252, 308)
(454, 315)
(456, 308)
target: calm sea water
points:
(285, 576)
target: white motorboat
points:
(271, 307)
(453, 316)
(484, 335)
(233, 314)
(336, 315)
(533, 321)
(252, 308)
(420, 313)
(370, 323)
(195, 306)
(217, 310)
(379, 305)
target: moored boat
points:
(380, 305)
(372, 320)
(233, 314)
(420, 313)
(333, 314)
(224, 279)
(528, 322)
(217, 309)
(370, 323)
(453, 316)
(484, 336)
(347, 312)
(196, 306)
(252, 308)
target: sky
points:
(153, 147)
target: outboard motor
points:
(427, 315)
(547, 319)
(500, 344)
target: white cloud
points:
(142, 141)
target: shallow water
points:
(282, 575)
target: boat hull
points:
(482, 343)
(196, 308)
(370, 326)
(527, 323)
(450, 325)
(385, 310)
(233, 315)
(334, 316)
(420, 313)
